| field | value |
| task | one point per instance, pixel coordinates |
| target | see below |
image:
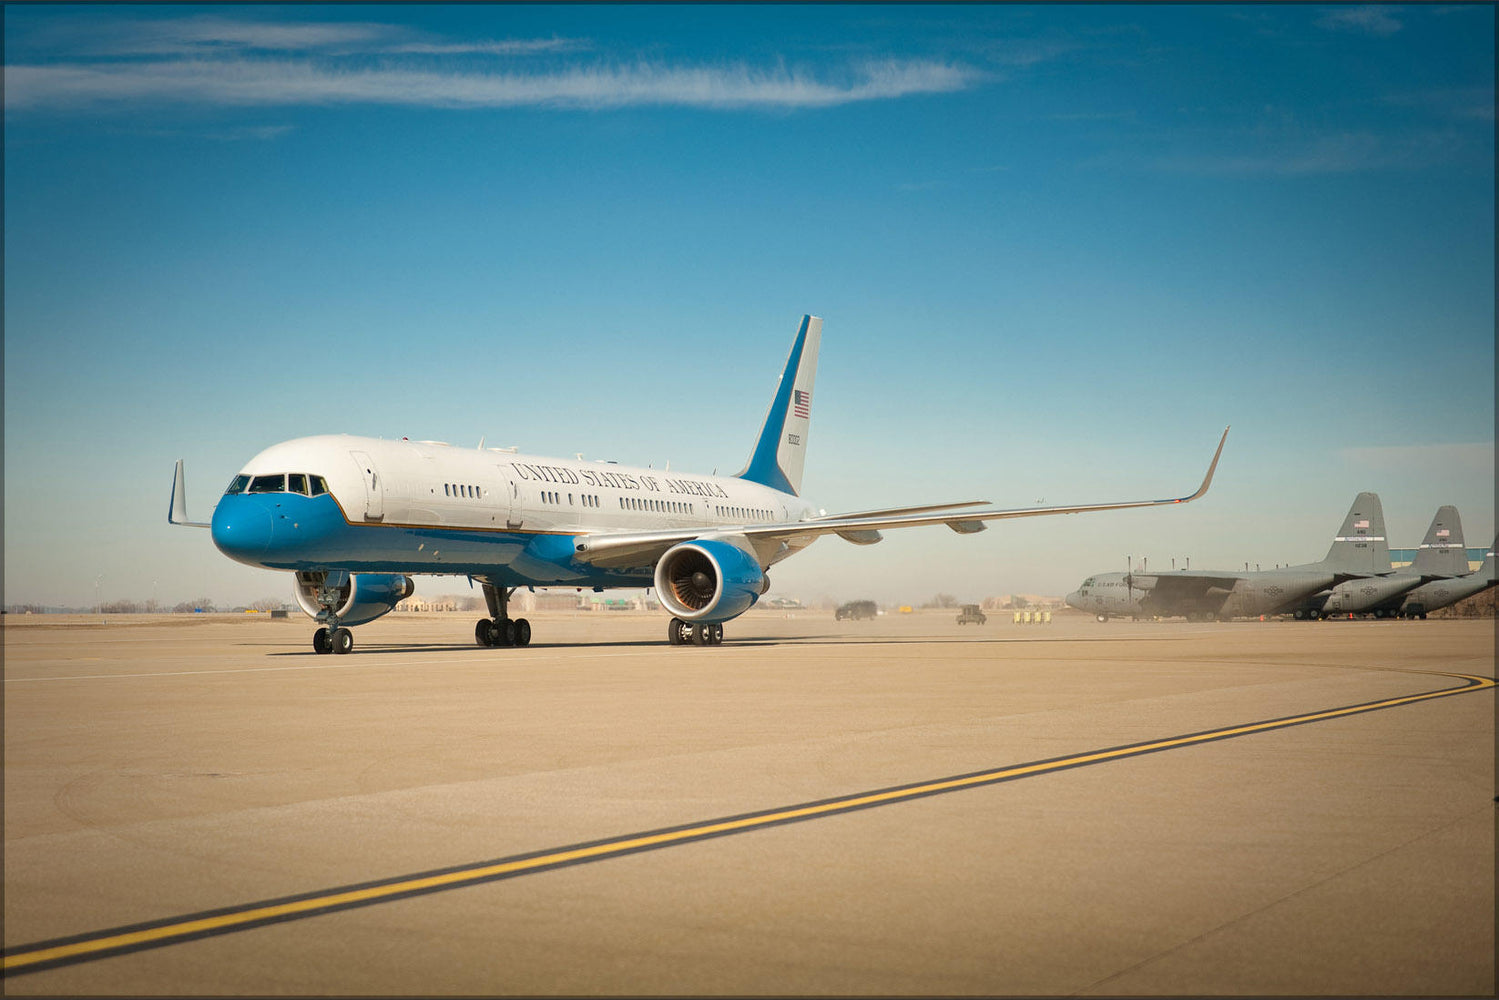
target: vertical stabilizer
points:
(1360, 547)
(782, 446)
(1442, 553)
(1488, 571)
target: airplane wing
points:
(177, 510)
(616, 550)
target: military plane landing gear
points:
(500, 629)
(680, 633)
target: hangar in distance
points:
(353, 517)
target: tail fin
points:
(782, 447)
(1487, 571)
(1442, 552)
(1360, 546)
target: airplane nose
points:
(242, 531)
(1072, 600)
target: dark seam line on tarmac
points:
(90, 946)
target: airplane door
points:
(374, 488)
(514, 512)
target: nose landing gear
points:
(334, 640)
(330, 595)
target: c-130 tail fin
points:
(1360, 547)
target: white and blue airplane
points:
(353, 517)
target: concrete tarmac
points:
(158, 769)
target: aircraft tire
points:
(1102, 618)
(505, 632)
(700, 634)
(320, 641)
(342, 640)
(522, 632)
(715, 634)
(673, 633)
(482, 634)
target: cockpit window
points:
(293, 482)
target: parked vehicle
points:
(972, 613)
(855, 610)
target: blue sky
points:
(1056, 249)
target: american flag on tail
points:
(801, 403)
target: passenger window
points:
(268, 484)
(296, 482)
(238, 485)
(319, 486)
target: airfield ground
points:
(160, 770)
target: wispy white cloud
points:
(1371, 19)
(506, 47)
(206, 35)
(1459, 103)
(1339, 153)
(217, 60)
(281, 82)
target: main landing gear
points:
(500, 629)
(680, 633)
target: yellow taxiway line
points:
(120, 940)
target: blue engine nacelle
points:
(357, 597)
(709, 581)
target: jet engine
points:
(709, 580)
(359, 597)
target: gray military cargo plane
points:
(1441, 556)
(1440, 593)
(1358, 551)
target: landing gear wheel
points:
(522, 632)
(1103, 618)
(680, 633)
(484, 632)
(506, 632)
(320, 641)
(342, 640)
(715, 634)
(700, 635)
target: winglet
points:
(177, 510)
(1207, 480)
